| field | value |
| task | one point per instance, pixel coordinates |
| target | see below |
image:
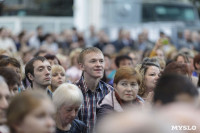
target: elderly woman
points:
(67, 98)
(58, 76)
(149, 71)
(126, 86)
(31, 112)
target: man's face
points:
(125, 62)
(4, 98)
(93, 65)
(42, 73)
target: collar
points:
(84, 86)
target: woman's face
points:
(40, 120)
(180, 59)
(127, 89)
(160, 54)
(150, 78)
(66, 114)
(57, 78)
(14, 89)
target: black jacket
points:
(77, 126)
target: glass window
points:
(37, 8)
(153, 12)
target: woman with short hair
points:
(31, 112)
(67, 99)
(126, 87)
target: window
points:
(37, 8)
(158, 12)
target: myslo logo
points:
(183, 127)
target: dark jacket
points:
(77, 126)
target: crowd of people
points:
(76, 82)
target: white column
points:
(95, 13)
(86, 13)
(81, 14)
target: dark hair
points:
(196, 60)
(4, 57)
(29, 68)
(119, 58)
(10, 76)
(2, 28)
(107, 55)
(21, 34)
(47, 35)
(22, 104)
(5, 60)
(186, 60)
(171, 85)
(177, 68)
(39, 52)
(52, 57)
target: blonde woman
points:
(58, 77)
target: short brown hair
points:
(22, 104)
(87, 51)
(186, 60)
(177, 68)
(10, 76)
(126, 72)
(10, 60)
(196, 60)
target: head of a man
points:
(91, 61)
(175, 88)
(11, 79)
(38, 72)
(12, 63)
(4, 98)
(123, 60)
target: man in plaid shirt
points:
(91, 61)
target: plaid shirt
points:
(87, 112)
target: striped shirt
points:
(87, 112)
